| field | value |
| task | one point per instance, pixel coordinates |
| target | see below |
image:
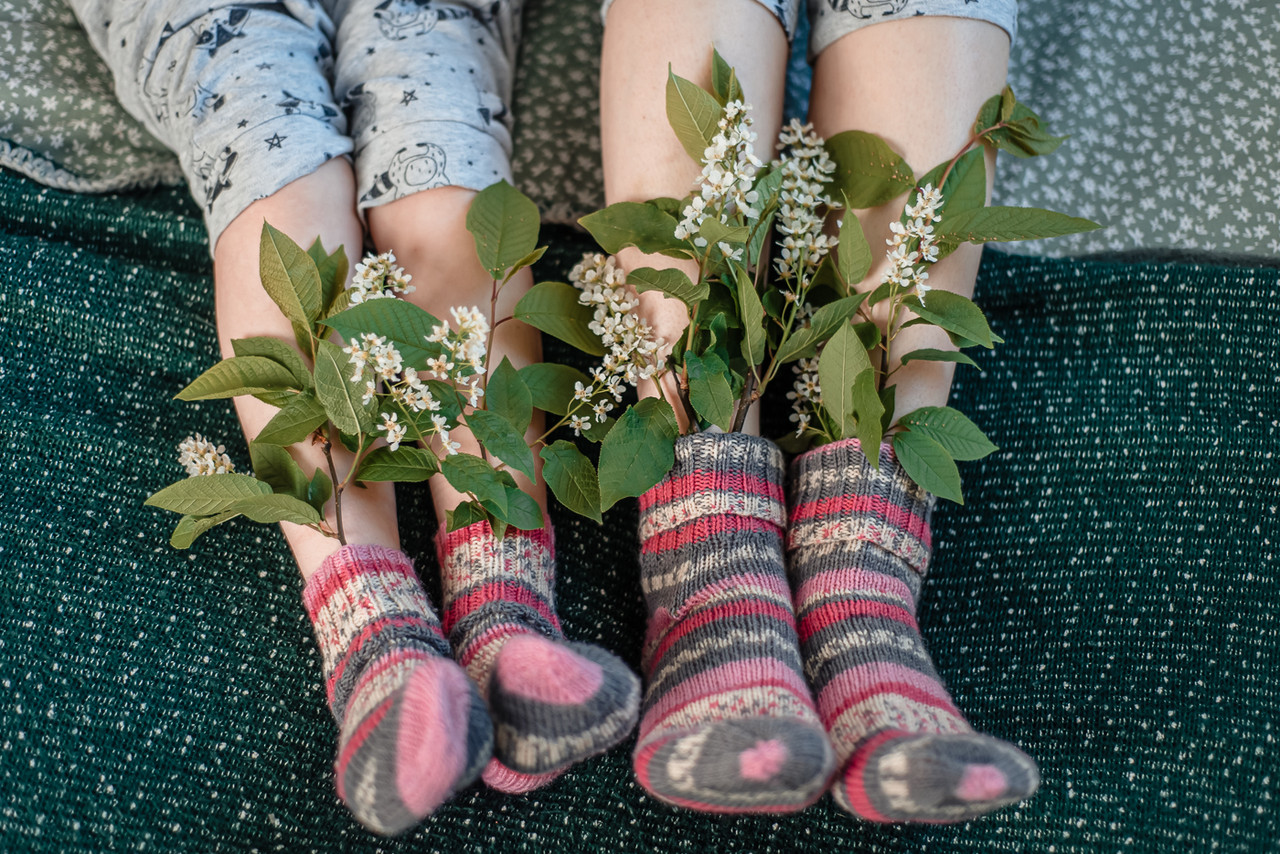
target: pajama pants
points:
(254, 95)
(831, 19)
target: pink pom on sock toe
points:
(982, 783)
(432, 741)
(539, 669)
(762, 761)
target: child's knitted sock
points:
(859, 545)
(413, 730)
(728, 724)
(553, 702)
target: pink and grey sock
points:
(553, 702)
(859, 545)
(728, 724)
(412, 728)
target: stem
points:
(744, 403)
(337, 487)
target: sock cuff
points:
(717, 474)
(351, 568)
(837, 495)
(477, 568)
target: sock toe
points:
(758, 764)
(935, 778)
(502, 779)
(555, 703)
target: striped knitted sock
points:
(412, 729)
(728, 724)
(859, 545)
(553, 702)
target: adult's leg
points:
(727, 722)
(430, 87)
(859, 537)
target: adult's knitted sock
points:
(412, 728)
(553, 702)
(728, 724)
(859, 546)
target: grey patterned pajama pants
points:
(831, 19)
(252, 96)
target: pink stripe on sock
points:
(846, 582)
(852, 779)
(384, 663)
(734, 676)
(677, 488)
(498, 591)
(336, 574)
(369, 631)
(702, 528)
(856, 684)
(715, 614)
(502, 779)
(448, 541)
(843, 506)
(497, 634)
(830, 613)
(358, 738)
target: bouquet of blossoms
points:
(748, 317)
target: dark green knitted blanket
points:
(1107, 598)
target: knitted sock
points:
(553, 702)
(859, 545)
(412, 729)
(728, 724)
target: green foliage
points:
(499, 438)
(301, 416)
(985, 225)
(709, 389)
(853, 256)
(290, 277)
(332, 270)
(274, 466)
(951, 429)
(507, 395)
(803, 343)
(928, 354)
(207, 495)
(504, 223)
(338, 395)
(1009, 125)
(278, 351)
(401, 323)
(405, 465)
(466, 473)
(467, 513)
(638, 451)
(724, 80)
(551, 385)
(572, 479)
(190, 528)
(643, 225)
(954, 313)
(240, 375)
(868, 172)
(843, 362)
(553, 307)
(672, 282)
(694, 114)
(928, 464)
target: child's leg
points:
(728, 724)
(429, 91)
(859, 537)
(412, 729)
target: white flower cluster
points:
(903, 259)
(634, 354)
(199, 456)
(376, 361)
(378, 277)
(462, 363)
(806, 393)
(728, 171)
(806, 169)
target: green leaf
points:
(989, 112)
(709, 390)
(338, 395)
(716, 231)
(319, 490)
(724, 80)
(672, 282)
(675, 207)
(753, 334)
(694, 115)
(869, 411)
(277, 508)
(273, 465)
(207, 495)
(953, 313)
(296, 420)
(504, 223)
(507, 395)
(402, 323)
(951, 429)
(888, 399)
(405, 465)
(843, 360)
(498, 437)
(966, 187)
(274, 348)
(868, 171)
(640, 224)
(572, 478)
(928, 354)
(553, 307)
(190, 528)
(332, 270)
(291, 279)
(467, 513)
(853, 254)
(551, 386)
(522, 511)
(1023, 134)
(803, 343)
(1007, 103)
(527, 261)
(466, 473)
(638, 452)
(984, 225)
(928, 464)
(868, 333)
(240, 375)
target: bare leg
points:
(918, 83)
(642, 157)
(321, 203)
